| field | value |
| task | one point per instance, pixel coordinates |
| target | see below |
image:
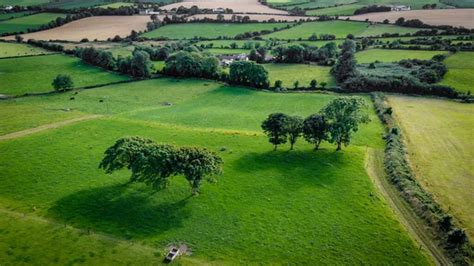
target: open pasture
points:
(338, 214)
(305, 30)
(379, 29)
(101, 28)
(452, 17)
(209, 30)
(35, 74)
(16, 49)
(7, 16)
(439, 138)
(22, 24)
(391, 55)
(289, 73)
(23, 2)
(460, 72)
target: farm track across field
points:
(30, 131)
(413, 224)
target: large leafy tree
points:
(315, 130)
(152, 163)
(294, 127)
(62, 83)
(248, 73)
(346, 64)
(275, 127)
(140, 65)
(344, 115)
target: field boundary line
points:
(412, 224)
(41, 128)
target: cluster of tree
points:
(258, 55)
(62, 83)
(434, 43)
(414, 23)
(323, 36)
(313, 85)
(429, 6)
(299, 53)
(335, 123)
(346, 64)
(371, 9)
(162, 52)
(192, 64)
(45, 45)
(153, 164)
(248, 73)
(428, 71)
(139, 65)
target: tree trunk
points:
(338, 146)
(316, 146)
(275, 147)
(291, 147)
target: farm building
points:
(400, 8)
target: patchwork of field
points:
(35, 74)
(100, 28)
(209, 30)
(452, 17)
(289, 73)
(33, 22)
(238, 6)
(245, 217)
(14, 49)
(460, 72)
(439, 138)
(391, 55)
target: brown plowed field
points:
(240, 6)
(254, 17)
(453, 17)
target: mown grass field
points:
(339, 28)
(15, 49)
(379, 29)
(439, 137)
(35, 74)
(246, 217)
(289, 73)
(209, 30)
(6, 16)
(22, 24)
(460, 72)
(392, 55)
(23, 2)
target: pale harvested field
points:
(100, 28)
(453, 17)
(240, 6)
(439, 137)
(254, 17)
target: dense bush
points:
(248, 73)
(192, 64)
(372, 8)
(299, 53)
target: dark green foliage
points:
(275, 127)
(62, 83)
(298, 53)
(153, 163)
(346, 64)
(294, 127)
(278, 84)
(96, 57)
(313, 84)
(192, 64)
(248, 73)
(140, 65)
(344, 115)
(315, 130)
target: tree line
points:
(153, 163)
(335, 123)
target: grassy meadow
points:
(209, 30)
(15, 49)
(289, 73)
(379, 29)
(7, 16)
(460, 72)
(35, 74)
(22, 24)
(439, 138)
(245, 217)
(391, 55)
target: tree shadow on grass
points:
(294, 169)
(120, 210)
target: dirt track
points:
(239, 6)
(100, 28)
(452, 17)
(254, 17)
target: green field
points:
(22, 2)
(209, 30)
(392, 55)
(117, 5)
(460, 72)
(310, 4)
(22, 24)
(339, 28)
(6, 16)
(343, 10)
(289, 73)
(220, 51)
(379, 29)
(15, 49)
(268, 207)
(35, 74)
(439, 138)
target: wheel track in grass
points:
(412, 223)
(41, 128)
